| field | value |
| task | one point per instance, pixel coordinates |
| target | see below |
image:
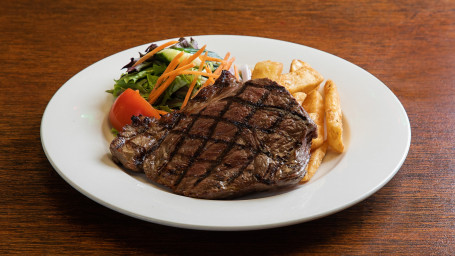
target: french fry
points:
(314, 105)
(315, 161)
(314, 102)
(296, 64)
(267, 69)
(304, 79)
(318, 119)
(333, 117)
(299, 97)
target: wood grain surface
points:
(409, 45)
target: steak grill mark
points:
(231, 144)
(282, 112)
(205, 140)
(140, 158)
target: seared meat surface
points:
(230, 140)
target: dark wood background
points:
(409, 45)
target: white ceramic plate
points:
(75, 135)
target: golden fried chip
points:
(314, 105)
(299, 97)
(315, 161)
(333, 117)
(267, 69)
(304, 79)
(318, 119)
(296, 64)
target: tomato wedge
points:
(129, 103)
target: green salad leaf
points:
(143, 81)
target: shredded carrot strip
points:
(236, 72)
(218, 70)
(171, 76)
(195, 55)
(226, 57)
(193, 83)
(179, 70)
(166, 75)
(215, 59)
(192, 72)
(210, 72)
(221, 66)
(161, 89)
(206, 83)
(183, 63)
(174, 62)
(210, 78)
(228, 65)
(170, 67)
(157, 49)
(203, 60)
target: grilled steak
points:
(230, 140)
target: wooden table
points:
(409, 45)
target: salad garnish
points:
(168, 75)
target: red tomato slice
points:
(126, 105)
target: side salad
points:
(165, 77)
